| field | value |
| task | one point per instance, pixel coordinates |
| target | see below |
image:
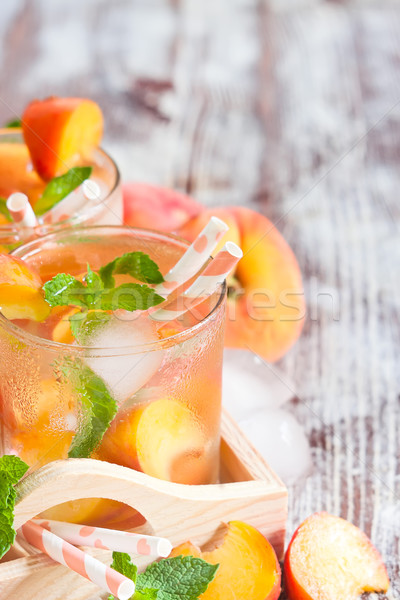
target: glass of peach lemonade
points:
(17, 174)
(89, 373)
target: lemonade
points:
(18, 175)
(164, 380)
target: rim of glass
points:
(172, 340)
(74, 220)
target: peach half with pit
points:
(329, 558)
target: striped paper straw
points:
(21, 210)
(194, 257)
(109, 539)
(89, 191)
(78, 561)
(205, 285)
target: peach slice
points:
(248, 567)
(163, 439)
(59, 324)
(15, 174)
(153, 207)
(58, 131)
(48, 410)
(329, 558)
(266, 306)
(21, 294)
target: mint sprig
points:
(97, 300)
(66, 290)
(97, 405)
(136, 264)
(4, 210)
(178, 578)
(12, 469)
(59, 187)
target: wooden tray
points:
(250, 491)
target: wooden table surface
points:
(292, 108)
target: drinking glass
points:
(166, 382)
(17, 174)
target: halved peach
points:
(58, 131)
(21, 295)
(248, 566)
(329, 558)
(163, 439)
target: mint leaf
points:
(98, 408)
(145, 594)
(123, 564)
(13, 123)
(13, 466)
(94, 286)
(12, 469)
(59, 187)
(84, 325)
(130, 296)
(65, 290)
(136, 264)
(178, 578)
(4, 210)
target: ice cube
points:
(254, 392)
(124, 372)
(248, 384)
(282, 442)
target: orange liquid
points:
(169, 428)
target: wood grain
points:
(292, 108)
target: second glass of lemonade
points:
(167, 385)
(17, 175)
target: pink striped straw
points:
(194, 258)
(89, 191)
(205, 285)
(21, 211)
(78, 561)
(109, 539)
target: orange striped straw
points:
(194, 258)
(21, 211)
(205, 285)
(78, 561)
